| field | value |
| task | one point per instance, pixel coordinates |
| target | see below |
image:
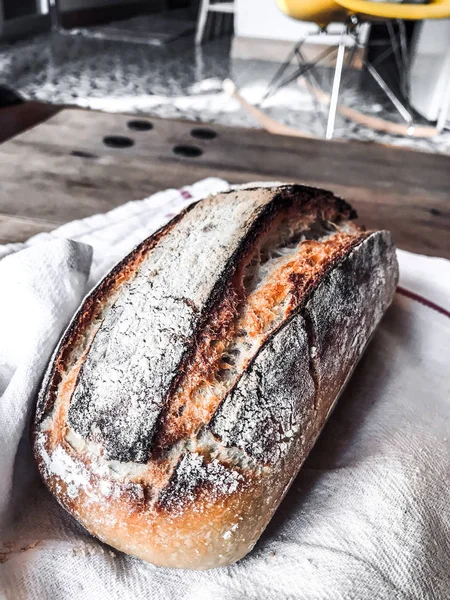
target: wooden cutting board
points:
(83, 162)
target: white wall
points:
(430, 70)
(434, 37)
(263, 19)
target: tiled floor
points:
(177, 81)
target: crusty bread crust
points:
(185, 466)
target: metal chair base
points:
(350, 34)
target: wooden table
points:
(62, 170)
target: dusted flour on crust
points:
(135, 355)
(194, 380)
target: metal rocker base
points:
(351, 32)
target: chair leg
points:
(274, 82)
(304, 66)
(399, 59)
(201, 21)
(348, 63)
(301, 70)
(400, 49)
(199, 64)
(406, 115)
(313, 81)
(402, 59)
(53, 9)
(405, 59)
(336, 84)
(443, 112)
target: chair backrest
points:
(436, 9)
(321, 12)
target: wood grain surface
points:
(16, 118)
(62, 170)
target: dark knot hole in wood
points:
(435, 212)
(187, 151)
(118, 141)
(139, 125)
(203, 133)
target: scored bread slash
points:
(194, 380)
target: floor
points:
(176, 81)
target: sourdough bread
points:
(194, 380)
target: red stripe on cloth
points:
(186, 195)
(422, 300)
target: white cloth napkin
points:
(367, 518)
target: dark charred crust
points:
(310, 195)
(170, 495)
(325, 203)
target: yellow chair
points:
(353, 13)
(437, 9)
(322, 12)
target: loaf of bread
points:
(194, 380)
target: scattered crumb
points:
(8, 549)
(29, 547)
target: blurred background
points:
(322, 69)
